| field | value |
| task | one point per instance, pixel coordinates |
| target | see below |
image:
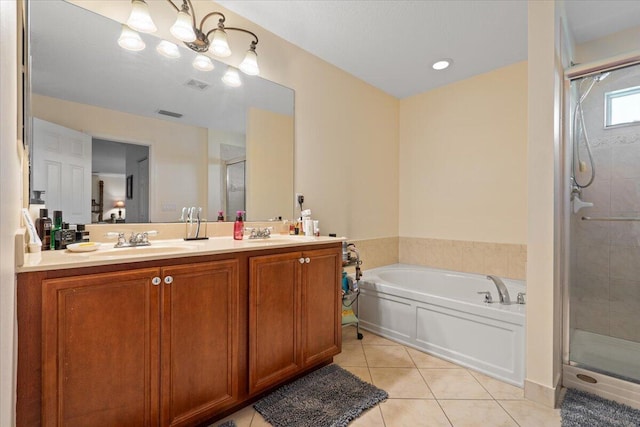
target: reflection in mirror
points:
(155, 125)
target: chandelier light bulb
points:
(249, 64)
(219, 45)
(139, 19)
(130, 40)
(182, 29)
(202, 63)
(168, 49)
(232, 77)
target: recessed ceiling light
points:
(442, 64)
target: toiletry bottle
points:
(56, 227)
(238, 226)
(43, 228)
(220, 216)
(292, 228)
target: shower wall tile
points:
(591, 232)
(625, 263)
(626, 233)
(602, 157)
(625, 195)
(505, 260)
(593, 260)
(592, 317)
(624, 326)
(595, 289)
(626, 158)
(599, 193)
(625, 298)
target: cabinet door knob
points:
(301, 260)
(156, 281)
(307, 260)
(168, 280)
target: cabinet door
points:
(200, 324)
(274, 312)
(100, 350)
(321, 305)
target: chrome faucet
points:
(136, 239)
(502, 289)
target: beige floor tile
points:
(530, 414)
(413, 413)
(401, 382)
(498, 389)
(387, 356)
(453, 384)
(352, 355)
(424, 360)
(361, 372)
(473, 413)
(242, 418)
(259, 421)
(349, 335)
(372, 339)
(369, 418)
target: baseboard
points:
(544, 395)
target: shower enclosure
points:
(602, 308)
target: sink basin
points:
(142, 250)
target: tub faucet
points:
(502, 289)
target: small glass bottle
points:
(220, 216)
(43, 228)
(238, 226)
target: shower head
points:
(601, 77)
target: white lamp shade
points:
(168, 49)
(130, 40)
(139, 19)
(249, 64)
(219, 45)
(232, 77)
(182, 29)
(202, 63)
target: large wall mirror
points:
(123, 136)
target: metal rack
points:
(350, 298)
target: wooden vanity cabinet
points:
(294, 314)
(144, 347)
(172, 342)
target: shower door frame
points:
(606, 386)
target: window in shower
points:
(622, 106)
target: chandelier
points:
(195, 37)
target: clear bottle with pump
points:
(238, 226)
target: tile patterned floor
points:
(425, 391)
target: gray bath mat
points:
(328, 397)
(229, 423)
(580, 409)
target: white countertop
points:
(106, 254)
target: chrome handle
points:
(520, 298)
(487, 296)
(156, 281)
(301, 260)
(307, 260)
(168, 280)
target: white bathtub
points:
(440, 312)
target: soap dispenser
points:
(238, 226)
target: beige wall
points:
(544, 314)
(10, 204)
(177, 153)
(463, 159)
(269, 167)
(605, 47)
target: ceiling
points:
(392, 44)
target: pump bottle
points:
(238, 226)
